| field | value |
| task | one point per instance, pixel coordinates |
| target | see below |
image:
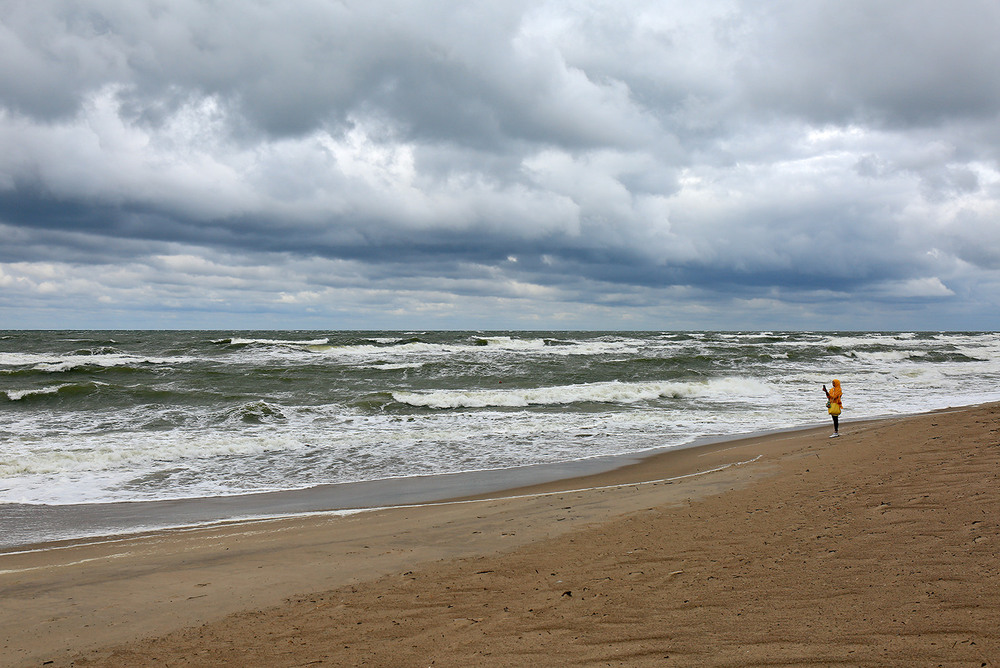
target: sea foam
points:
(613, 392)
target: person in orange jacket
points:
(835, 405)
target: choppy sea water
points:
(99, 417)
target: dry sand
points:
(877, 548)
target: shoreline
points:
(44, 525)
(212, 590)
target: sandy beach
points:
(877, 548)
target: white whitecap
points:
(277, 342)
(17, 395)
(613, 392)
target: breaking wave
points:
(613, 392)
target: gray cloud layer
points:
(483, 164)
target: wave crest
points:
(238, 342)
(52, 390)
(612, 392)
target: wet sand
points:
(877, 548)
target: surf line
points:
(103, 557)
(343, 512)
(433, 504)
(535, 495)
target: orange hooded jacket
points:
(834, 394)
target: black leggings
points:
(836, 422)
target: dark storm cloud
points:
(919, 63)
(633, 154)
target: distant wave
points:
(18, 395)
(473, 345)
(934, 356)
(613, 392)
(61, 389)
(500, 345)
(63, 363)
(509, 343)
(236, 341)
(395, 367)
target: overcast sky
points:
(500, 164)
